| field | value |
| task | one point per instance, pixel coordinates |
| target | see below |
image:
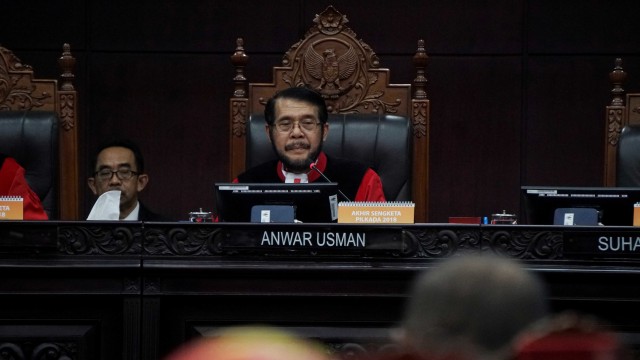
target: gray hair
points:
(472, 303)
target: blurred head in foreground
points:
(471, 307)
(250, 343)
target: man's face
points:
(114, 159)
(298, 147)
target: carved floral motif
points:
(17, 92)
(524, 244)
(239, 115)
(99, 240)
(438, 243)
(67, 111)
(338, 67)
(434, 243)
(330, 21)
(420, 116)
(182, 241)
(614, 124)
(46, 350)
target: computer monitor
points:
(614, 205)
(312, 202)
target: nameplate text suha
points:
(11, 208)
(602, 244)
(391, 212)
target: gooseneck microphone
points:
(314, 167)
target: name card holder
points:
(390, 212)
(11, 208)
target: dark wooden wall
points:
(517, 87)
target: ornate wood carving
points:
(524, 244)
(21, 91)
(346, 71)
(420, 118)
(189, 240)
(416, 243)
(47, 341)
(239, 60)
(615, 121)
(18, 91)
(617, 77)
(239, 116)
(67, 99)
(45, 350)
(614, 124)
(622, 111)
(87, 239)
(420, 61)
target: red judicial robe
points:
(13, 183)
(357, 181)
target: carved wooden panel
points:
(55, 342)
(403, 243)
(19, 90)
(341, 67)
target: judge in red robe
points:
(297, 126)
(357, 181)
(13, 183)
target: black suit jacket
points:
(144, 214)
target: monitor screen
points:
(312, 202)
(614, 205)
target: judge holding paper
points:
(296, 127)
(117, 178)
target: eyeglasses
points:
(286, 126)
(107, 174)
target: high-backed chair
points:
(38, 126)
(622, 133)
(383, 125)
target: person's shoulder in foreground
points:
(14, 183)
(571, 335)
(250, 343)
(297, 126)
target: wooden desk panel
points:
(100, 290)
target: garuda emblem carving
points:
(330, 69)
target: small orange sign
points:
(390, 212)
(11, 208)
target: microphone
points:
(314, 167)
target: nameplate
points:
(334, 240)
(11, 208)
(602, 244)
(390, 212)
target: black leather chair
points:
(628, 157)
(32, 139)
(383, 142)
